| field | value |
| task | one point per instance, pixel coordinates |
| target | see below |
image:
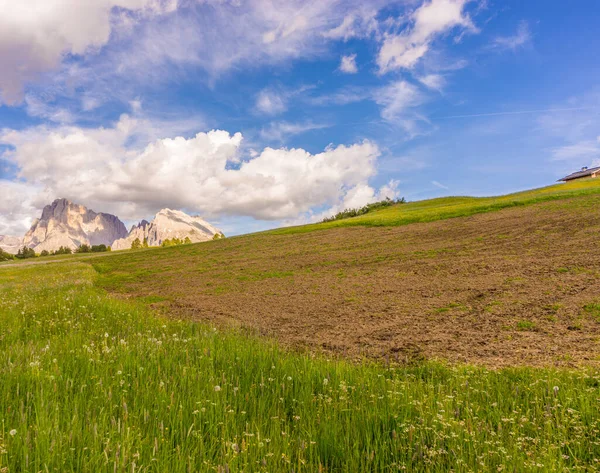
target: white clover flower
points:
(325, 381)
(217, 388)
(13, 432)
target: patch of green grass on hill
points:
(94, 384)
(452, 207)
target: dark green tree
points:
(25, 252)
(4, 256)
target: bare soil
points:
(498, 289)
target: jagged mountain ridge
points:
(168, 224)
(64, 223)
(10, 244)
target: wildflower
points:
(217, 388)
(13, 432)
(325, 382)
(555, 391)
(105, 335)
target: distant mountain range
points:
(70, 225)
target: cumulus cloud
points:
(203, 174)
(356, 197)
(348, 64)
(431, 19)
(37, 34)
(17, 205)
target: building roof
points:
(583, 173)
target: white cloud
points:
(342, 96)
(37, 107)
(96, 167)
(521, 38)
(439, 185)
(249, 34)
(279, 131)
(398, 102)
(275, 100)
(35, 35)
(433, 81)
(584, 151)
(572, 128)
(356, 197)
(348, 64)
(138, 48)
(431, 19)
(17, 205)
(358, 24)
(270, 102)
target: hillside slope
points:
(516, 286)
(442, 208)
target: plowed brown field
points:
(512, 287)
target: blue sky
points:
(263, 113)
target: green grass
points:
(525, 326)
(89, 383)
(593, 309)
(452, 207)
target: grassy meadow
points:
(94, 383)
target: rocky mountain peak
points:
(64, 223)
(168, 224)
